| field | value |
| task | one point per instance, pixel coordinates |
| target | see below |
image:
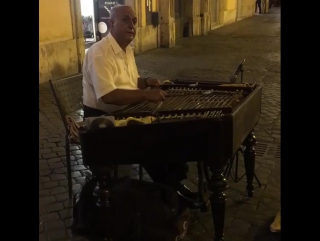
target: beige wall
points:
(54, 25)
(196, 19)
(229, 12)
(236, 10)
(247, 8)
(147, 36)
(60, 49)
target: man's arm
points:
(142, 83)
(127, 97)
(124, 97)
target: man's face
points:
(123, 25)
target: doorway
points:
(214, 13)
(181, 21)
(102, 10)
(95, 18)
(88, 22)
(178, 18)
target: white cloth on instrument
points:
(107, 67)
(74, 126)
(276, 225)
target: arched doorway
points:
(95, 18)
(88, 22)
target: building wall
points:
(247, 8)
(196, 12)
(196, 18)
(60, 50)
(236, 10)
(230, 11)
(147, 36)
(216, 17)
(205, 20)
(222, 8)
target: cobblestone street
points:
(212, 57)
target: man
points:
(258, 4)
(111, 81)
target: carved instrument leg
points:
(217, 185)
(103, 193)
(249, 162)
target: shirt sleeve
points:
(102, 76)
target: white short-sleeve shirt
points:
(107, 67)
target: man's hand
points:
(155, 95)
(153, 83)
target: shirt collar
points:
(115, 46)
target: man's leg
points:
(171, 175)
(255, 11)
(259, 5)
(167, 173)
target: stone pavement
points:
(215, 56)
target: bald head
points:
(122, 24)
(119, 10)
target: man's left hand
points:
(153, 83)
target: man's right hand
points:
(155, 95)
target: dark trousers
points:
(160, 173)
(258, 4)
